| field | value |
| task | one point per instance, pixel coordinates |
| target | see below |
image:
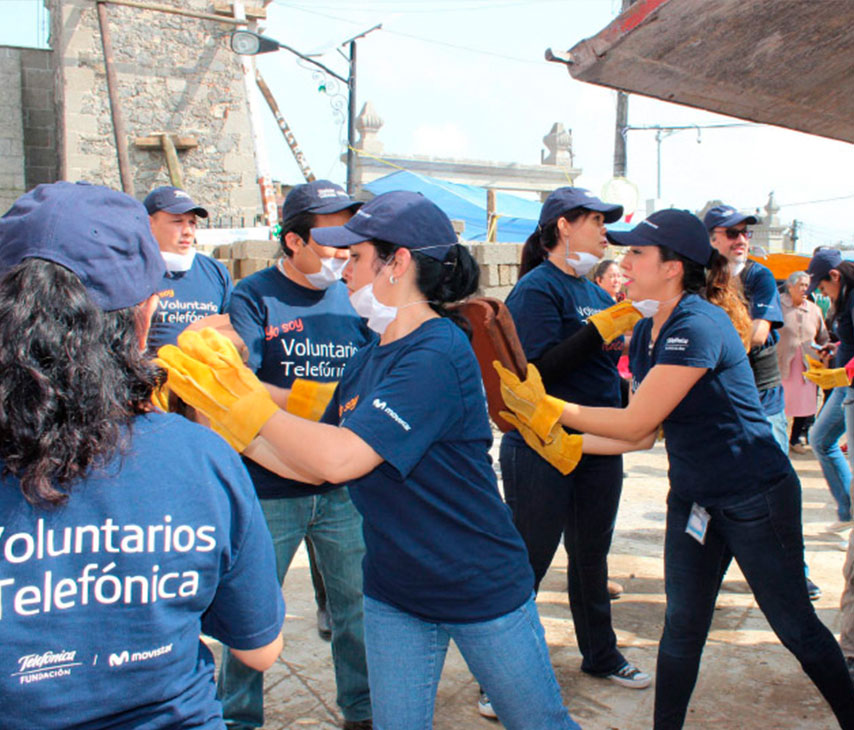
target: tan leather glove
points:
(529, 400)
(826, 378)
(308, 398)
(615, 321)
(563, 451)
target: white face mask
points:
(177, 262)
(649, 307)
(331, 270)
(379, 315)
(581, 261)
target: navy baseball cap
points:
(724, 216)
(679, 230)
(100, 235)
(320, 196)
(563, 200)
(821, 263)
(171, 200)
(401, 217)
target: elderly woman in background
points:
(607, 275)
(803, 326)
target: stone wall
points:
(12, 182)
(175, 74)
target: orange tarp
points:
(783, 264)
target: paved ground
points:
(747, 680)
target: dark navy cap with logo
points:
(563, 200)
(724, 216)
(171, 200)
(821, 264)
(101, 235)
(401, 217)
(320, 196)
(679, 230)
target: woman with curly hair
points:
(126, 532)
(733, 492)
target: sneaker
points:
(615, 590)
(484, 707)
(839, 526)
(813, 591)
(324, 628)
(630, 676)
(798, 448)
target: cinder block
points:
(504, 274)
(489, 275)
(246, 267)
(497, 292)
(254, 249)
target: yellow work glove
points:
(308, 398)
(825, 378)
(563, 451)
(160, 397)
(615, 321)
(529, 400)
(206, 372)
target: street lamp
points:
(247, 43)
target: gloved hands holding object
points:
(206, 372)
(562, 451)
(528, 400)
(826, 378)
(615, 321)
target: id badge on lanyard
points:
(698, 523)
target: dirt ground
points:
(747, 679)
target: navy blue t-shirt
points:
(440, 542)
(844, 329)
(187, 296)
(294, 332)
(719, 443)
(760, 289)
(548, 306)
(102, 601)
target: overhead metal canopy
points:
(783, 62)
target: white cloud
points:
(440, 140)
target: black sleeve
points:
(570, 354)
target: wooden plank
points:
(253, 12)
(154, 142)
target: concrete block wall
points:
(12, 177)
(38, 84)
(175, 74)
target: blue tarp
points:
(517, 216)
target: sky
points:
(467, 79)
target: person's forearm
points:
(608, 447)
(621, 424)
(263, 453)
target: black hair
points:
(441, 282)
(542, 240)
(846, 287)
(715, 284)
(301, 224)
(602, 267)
(72, 378)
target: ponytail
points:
(715, 284)
(544, 239)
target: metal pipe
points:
(115, 109)
(351, 121)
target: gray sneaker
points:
(630, 676)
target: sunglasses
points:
(733, 233)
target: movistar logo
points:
(381, 405)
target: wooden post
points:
(115, 109)
(491, 220)
(172, 163)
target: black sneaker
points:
(630, 676)
(813, 591)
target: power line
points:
(813, 202)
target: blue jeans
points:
(508, 656)
(780, 429)
(335, 528)
(824, 435)
(764, 534)
(582, 507)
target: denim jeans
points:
(779, 428)
(335, 528)
(824, 435)
(764, 534)
(583, 507)
(508, 656)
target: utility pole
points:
(621, 122)
(351, 120)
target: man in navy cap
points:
(194, 286)
(300, 329)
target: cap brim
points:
(185, 207)
(627, 238)
(611, 212)
(736, 219)
(337, 236)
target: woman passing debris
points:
(407, 430)
(733, 492)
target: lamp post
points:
(247, 43)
